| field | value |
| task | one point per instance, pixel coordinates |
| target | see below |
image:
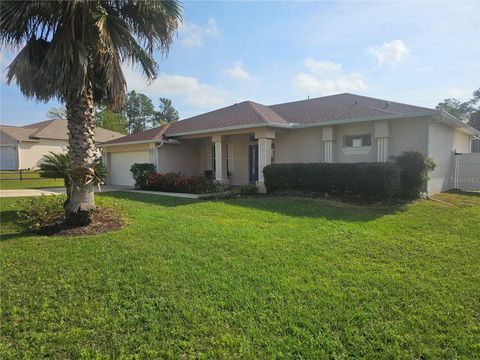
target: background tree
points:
(166, 114)
(111, 120)
(468, 111)
(57, 113)
(139, 111)
(72, 51)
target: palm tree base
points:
(80, 206)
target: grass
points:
(31, 180)
(248, 278)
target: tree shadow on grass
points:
(288, 205)
(9, 220)
(319, 208)
(169, 201)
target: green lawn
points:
(248, 278)
(31, 180)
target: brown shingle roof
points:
(244, 113)
(17, 133)
(53, 129)
(341, 107)
(328, 108)
(151, 134)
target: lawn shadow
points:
(319, 208)
(8, 219)
(288, 205)
(169, 201)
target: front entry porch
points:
(232, 159)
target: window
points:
(272, 160)
(357, 141)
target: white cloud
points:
(322, 67)
(326, 78)
(237, 72)
(461, 94)
(391, 53)
(194, 35)
(192, 91)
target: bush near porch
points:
(175, 182)
(406, 177)
(373, 180)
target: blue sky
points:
(272, 52)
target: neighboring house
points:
(23, 147)
(236, 142)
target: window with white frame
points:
(357, 141)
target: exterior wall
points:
(180, 158)
(408, 135)
(440, 148)
(443, 142)
(31, 153)
(461, 142)
(297, 146)
(340, 156)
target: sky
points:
(272, 52)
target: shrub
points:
(55, 166)
(414, 168)
(140, 173)
(174, 182)
(373, 180)
(42, 211)
(247, 189)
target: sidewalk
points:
(104, 188)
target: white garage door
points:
(7, 158)
(120, 164)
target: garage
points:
(8, 155)
(120, 164)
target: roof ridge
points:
(253, 105)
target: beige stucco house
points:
(23, 147)
(236, 142)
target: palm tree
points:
(73, 51)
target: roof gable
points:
(53, 129)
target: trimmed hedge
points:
(371, 180)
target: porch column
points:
(328, 137)
(382, 134)
(264, 137)
(220, 159)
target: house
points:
(236, 142)
(23, 147)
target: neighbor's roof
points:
(16, 133)
(53, 129)
(341, 108)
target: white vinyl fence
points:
(466, 171)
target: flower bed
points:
(175, 182)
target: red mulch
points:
(103, 220)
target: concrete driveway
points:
(56, 191)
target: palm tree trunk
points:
(83, 154)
